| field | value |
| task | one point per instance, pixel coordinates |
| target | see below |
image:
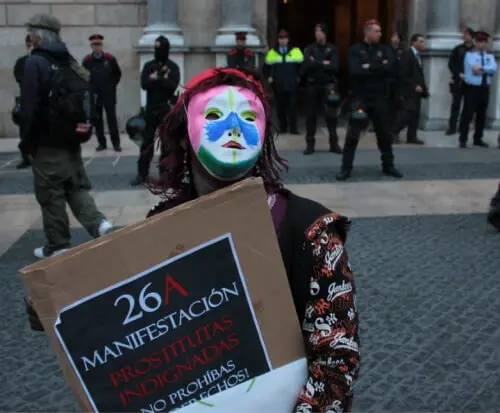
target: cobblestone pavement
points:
(428, 294)
(112, 173)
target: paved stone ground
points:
(114, 173)
(429, 300)
(428, 287)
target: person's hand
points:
(165, 76)
(83, 128)
(419, 89)
(365, 66)
(384, 62)
(270, 80)
(153, 75)
(462, 76)
(326, 62)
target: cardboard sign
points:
(188, 308)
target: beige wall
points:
(479, 14)
(121, 24)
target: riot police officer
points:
(456, 67)
(320, 69)
(105, 74)
(241, 56)
(370, 65)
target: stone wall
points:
(119, 21)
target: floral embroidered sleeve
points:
(331, 322)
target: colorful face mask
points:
(226, 127)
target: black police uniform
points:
(18, 75)
(241, 58)
(394, 83)
(105, 74)
(456, 67)
(159, 96)
(369, 93)
(318, 76)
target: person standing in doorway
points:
(320, 69)
(105, 74)
(456, 67)
(479, 69)
(284, 64)
(370, 65)
(394, 82)
(413, 90)
(160, 79)
(241, 57)
(18, 75)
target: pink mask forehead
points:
(199, 102)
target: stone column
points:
(494, 106)
(162, 20)
(443, 34)
(236, 16)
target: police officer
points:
(18, 75)
(241, 56)
(479, 69)
(394, 82)
(58, 169)
(456, 67)
(160, 79)
(105, 74)
(284, 64)
(320, 69)
(370, 64)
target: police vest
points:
(293, 56)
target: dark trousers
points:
(60, 178)
(457, 93)
(24, 155)
(286, 102)
(315, 100)
(408, 118)
(153, 120)
(110, 109)
(476, 99)
(378, 114)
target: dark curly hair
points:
(172, 137)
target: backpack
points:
(69, 102)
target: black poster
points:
(179, 332)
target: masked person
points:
(160, 79)
(105, 74)
(18, 75)
(283, 64)
(219, 133)
(320, 69)
(456, 67)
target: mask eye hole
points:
(213, 114)
(249, 116)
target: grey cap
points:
(44, 21)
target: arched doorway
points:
(344, 18)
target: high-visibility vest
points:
(293, 56)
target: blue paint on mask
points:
(215, 129)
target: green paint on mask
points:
(224, 170)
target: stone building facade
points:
(201, 32)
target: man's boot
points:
(343, 175)
(391, 171)
(309, 148)
(334, 145)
